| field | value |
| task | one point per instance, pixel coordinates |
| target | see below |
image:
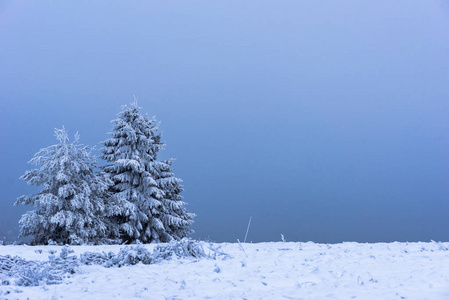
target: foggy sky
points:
(323, 120)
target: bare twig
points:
(247, 229)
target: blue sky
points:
(323, 120)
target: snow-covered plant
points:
(69, 208)
(131, 255)
(95, 258)
(18, 271)
(144, 189)
(184, 248)
(21, 272)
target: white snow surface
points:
(289, 270)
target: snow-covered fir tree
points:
(69, 208)
(144, 188)
(175, 218)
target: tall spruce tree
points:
(144, 188)
(70, 208)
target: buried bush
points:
(18, 271)
(131, 255)
(21, 272)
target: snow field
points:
(258, 271)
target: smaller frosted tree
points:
(70, 208)
(175, 217)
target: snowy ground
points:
(259, 271)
